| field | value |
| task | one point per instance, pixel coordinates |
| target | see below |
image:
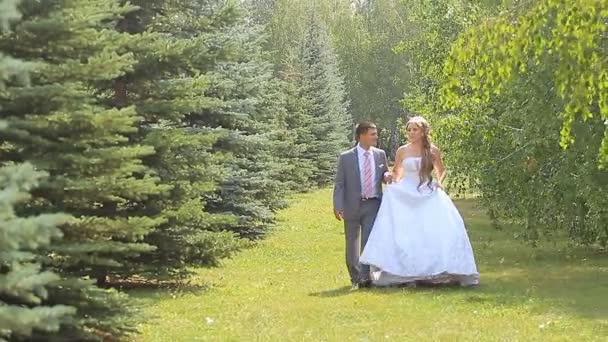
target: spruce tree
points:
(253, 112)
(202, 75)
(299, 124)
(173, 43)
(63, 123)
(23, 284)
(288, 102)
(63, 126)
(323, 88)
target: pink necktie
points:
(368, 186)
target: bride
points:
(419, 234)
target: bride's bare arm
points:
(438, 165)
(398, 168)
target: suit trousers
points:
(357, 233)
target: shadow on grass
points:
(154, 290)
(346, 290)
(339, 292)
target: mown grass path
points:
(294, 287)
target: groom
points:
(357, 196)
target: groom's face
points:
(370, 137)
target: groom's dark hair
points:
(363, 127)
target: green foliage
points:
(184, 159)
(362, 37)
(518, 84)
(435, 25)
(297, 134)
(375, 75)
(254, 115)
(175, 45)
(8, 13)
(61, 123)
(568, 35)
(9, 67)
(323, 89)
(24, 286)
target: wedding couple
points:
(410, 233)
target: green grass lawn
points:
(294, 287)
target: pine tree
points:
(64, 123)
(323, 87)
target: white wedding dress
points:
(418, 235)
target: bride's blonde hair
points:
(426, 163)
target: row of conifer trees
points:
(141, 138)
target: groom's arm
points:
(339, 189)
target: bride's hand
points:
(388, 177)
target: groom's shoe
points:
(365, 283)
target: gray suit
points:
(359, 214)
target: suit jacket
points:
(347, 187)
